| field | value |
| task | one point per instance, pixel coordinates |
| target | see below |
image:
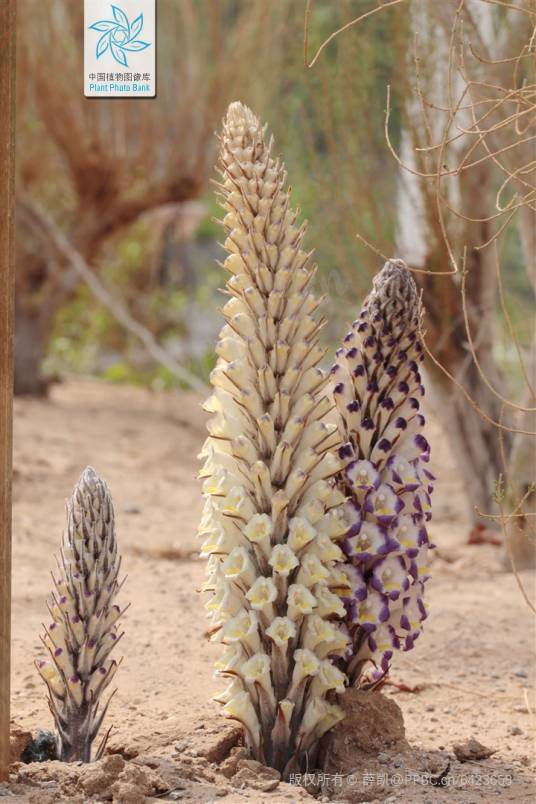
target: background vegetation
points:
(124, 187)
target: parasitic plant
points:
(272, 514)
(84, 630)
(378, 391)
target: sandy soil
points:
(473, 667)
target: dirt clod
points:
(217, 739)
(359, 748)
(97, 777)
(134, 781)
(253, 774)
(373, 723)
(230, 765)
(126, 794)
(18, 740)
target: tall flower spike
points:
(378, 391)
(269, 527)
(84, 631)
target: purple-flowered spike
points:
(386, 481)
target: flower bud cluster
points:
(83, 630)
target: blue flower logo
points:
(119, 36)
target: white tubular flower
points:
(238, 503)
(315, 711)
(281, 630)
(300, 533)
(231, 657)
(334, 524)
(312, 511)
(226, 603)
(84, 631)
(238, 565)
(283, 560)
(318, 630)
(219, 541)
(234, 688)
(243, 628)
(257, 670)
(209, 519)
(306, 664)
(326, 549)
(327, 603)
(318, 718)
(312, 570)
(329, 677)
(269, 524)
(219, 483)
(378, 391)
(262, 594)
(259, 530)
(240, 708)
(300, 601)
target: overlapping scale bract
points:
(84, 620)
(378, 391)
(271, 522)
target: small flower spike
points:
(378, 391)
(83, 630)
(271, 524)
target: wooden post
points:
(7, 275)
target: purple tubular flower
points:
(373, 611)
(410, 536)
(383, 504)
(390, 577)
(385, 479)
(403, 475)
(363, 475)
(370, 542)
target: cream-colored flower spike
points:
(272, 519)
(84, 631)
